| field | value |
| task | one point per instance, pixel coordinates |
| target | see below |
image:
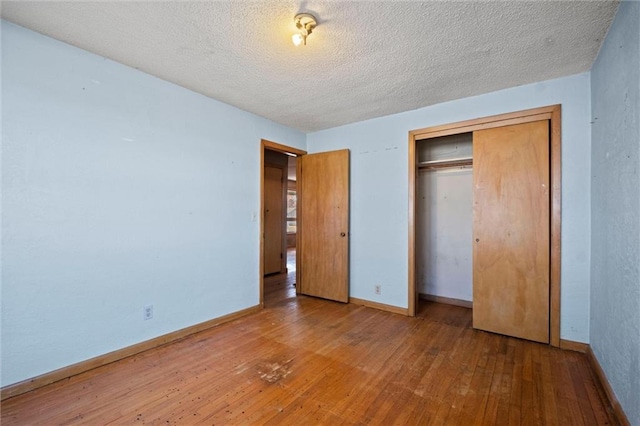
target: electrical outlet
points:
(147, 312)
(378, 288)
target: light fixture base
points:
(305, 22)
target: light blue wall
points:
(119, 190)
(379, 189)
(615, 208)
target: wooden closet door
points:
(511, 230)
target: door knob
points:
(342, 234)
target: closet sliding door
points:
(511, 230)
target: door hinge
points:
(280, 255)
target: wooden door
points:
(273, 220)
(511, 230)
(323, 225)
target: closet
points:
(486, 220)
(444, 218)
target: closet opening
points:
(444, 218)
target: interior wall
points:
(444, 230)
(615, 208)
(119, 190)
(379, 189)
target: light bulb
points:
(297, 39)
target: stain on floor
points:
(274, 371)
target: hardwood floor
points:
(309, 361)
(279, 287)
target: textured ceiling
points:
(365, 59)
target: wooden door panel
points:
(511, 230)
(273, 219)
(323, 225)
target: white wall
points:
(615, 208)
(444, 231)
(379, 189)
(118, 190)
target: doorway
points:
(278, 236)
(551, 117)
(322, 222)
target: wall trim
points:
(447, 300)
(570, 345)
(618, 412)
(379, 306)
(24, 386)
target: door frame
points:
(551, 113)
(273, 146)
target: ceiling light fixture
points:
(305, 22)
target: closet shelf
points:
(449, 162)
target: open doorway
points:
(279, 248)
(278, 225)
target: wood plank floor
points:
(279, 287)
(309, 361)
